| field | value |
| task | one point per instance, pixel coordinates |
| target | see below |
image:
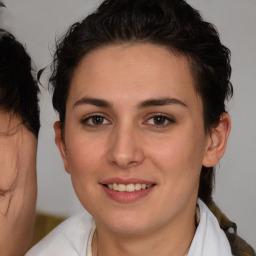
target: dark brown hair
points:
(18, 89)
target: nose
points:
(125, 149)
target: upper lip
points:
(118, 180)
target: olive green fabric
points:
(239, 246)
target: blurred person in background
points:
(19, 127)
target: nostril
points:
(126, 158)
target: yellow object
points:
(43, 225)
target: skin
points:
(18, 187)
(126, 142)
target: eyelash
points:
(167, 120)
(88, 121)
(2, 192)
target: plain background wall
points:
(37, 23)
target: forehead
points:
(126, 71)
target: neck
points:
(173, 239)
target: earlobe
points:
(60, 144)
(217, 141)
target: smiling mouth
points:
(127, 188)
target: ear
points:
(60, 144)
(217, 141)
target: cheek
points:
(84, 156)
(179, 156)
(8, 167)
(86, 161)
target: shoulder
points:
(69, 238)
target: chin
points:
(127, 224)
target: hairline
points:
(176, 52)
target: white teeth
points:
(128, 187)
(138, 186)
(114, 186)
(121, 187)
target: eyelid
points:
(2, 192)
(91, 115)
(169, 118)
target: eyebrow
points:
(93, 101)
(161, 102)
(145, 104)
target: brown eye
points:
(159, 120)
(95, 120)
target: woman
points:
(140, 87)
(19, 126)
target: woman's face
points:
(134, 123)
(17, 185)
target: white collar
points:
(209, 239)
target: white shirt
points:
(209, 239)
(73, 237)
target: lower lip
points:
(127, 197)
